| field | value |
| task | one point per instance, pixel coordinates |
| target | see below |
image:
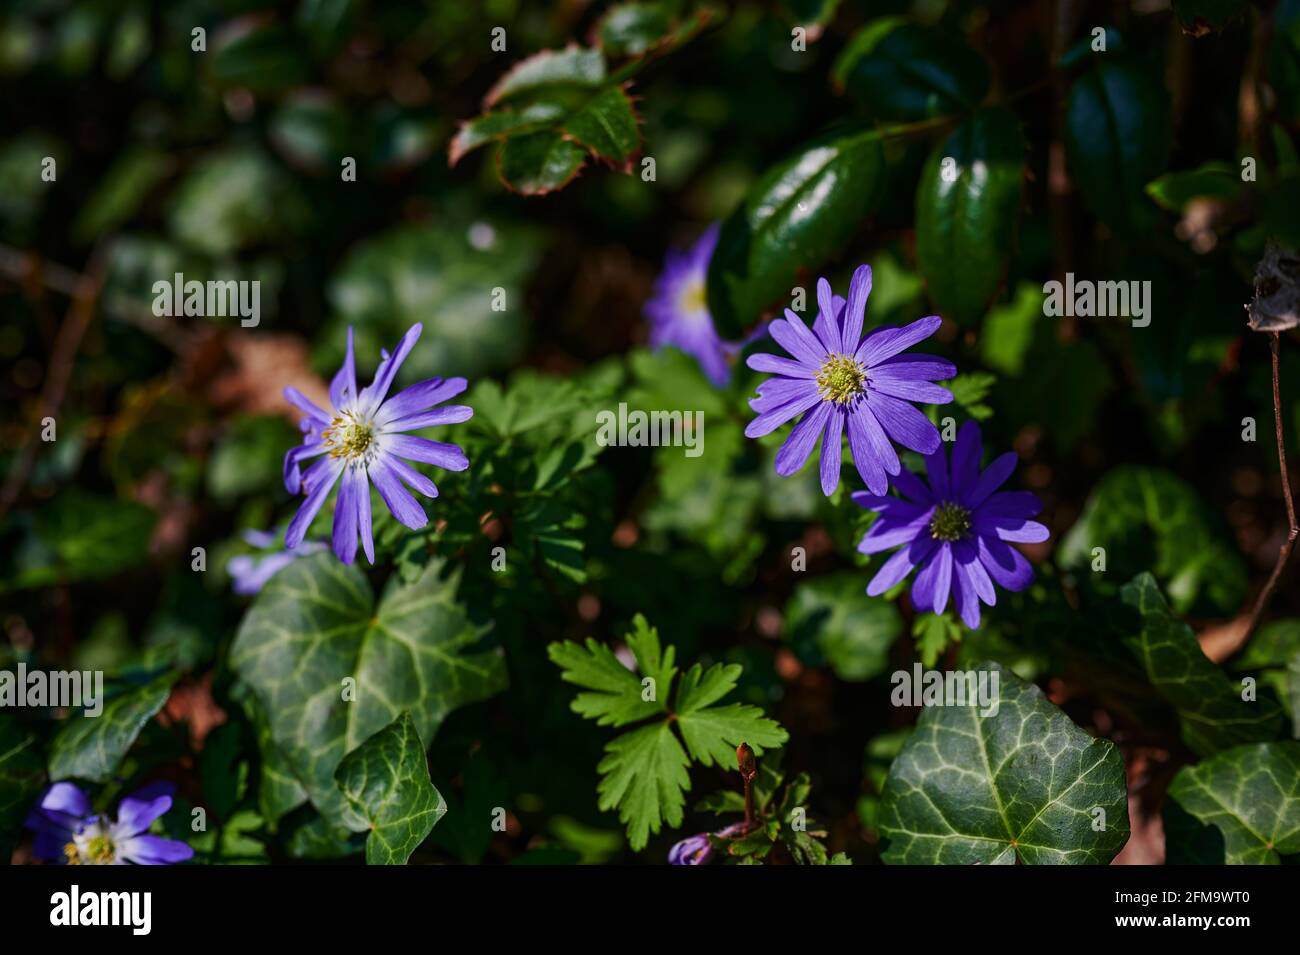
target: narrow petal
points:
(1019, 532)
(911, 486)
(1013, 505)
(859, 292)
(966, 453)
(832, 440)
(372, 396)
(399, 500)
(910, 389)
(448, 414)
(811, 342)
(769, 421)
(364, 522)
(153, 850)
(328, 474)
(293, 459)
(306, 405)
(900, 565)
(1006, 565)
(420, 397)
(930, 589)
(826, 326)
(794, 453)
(345, 512)
(915, 365)
(936, 469)
(904, 423)
(67, 800)
(885, 534)
(412, 477)
(994, 476)
(786, 333)
(775, 392)
(872, 456)
(887, 342)
(964, 597)
(444, 455)
(343, 389)
(776, 365)
(136, 812)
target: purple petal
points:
(399, 500)
(966, 554)
(775, 392)
(832, 440)
(136, 813)
(65, 800)
(794, 453)
(930, 589)
(326, 472)
(1006, 565)
(344, 386)
(418, 398)
(826, 326)
(964, 597)
(448, 414)
(900, 565)
(904, 423)
(153, 850)
(909, 389)
(306, 405)
(776, 365)
(966, 458)
(886, 533)
(364, 522)
(444, 455)
(1019, 532)
(351, 487)
(911, 486)
(994, 476)
(887, 342)
(859, 291)
(372, 396)
(769, 421)
(293, 459)
(412, 477)
(792, 335)
(1011, 505)
(873, 455)
(927, 367)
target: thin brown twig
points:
(1293, 530)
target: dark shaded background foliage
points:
(226, 163)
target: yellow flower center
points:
(100, 849)
(347, 437)
(950, 522)
(695, 298)
(841, 379)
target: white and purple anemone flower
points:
(66, 831)
(846, 382)
(249, 573)
(362, 441)
(958, 530)
(678, 309)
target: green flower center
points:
(695, 299)
(346, 437)
(950, 523)
(841, 379)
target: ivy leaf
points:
(1149, 519)
(537, 163)
(644, 772)
(1022, 784)
(22, 775)
(385, 781)
(317, 625)
(1240, 807)
(1117, 137)
(900, 70)
(966, 206)
(90, 748)
(1209, 703)
(796, 216)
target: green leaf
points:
(537, 163)
(385, 781)
(643, 776)
(966, 206)
(1022, 785)
(1009, 330)
(220, 207)
(618, 697)
(712, 733)
(570, 67)
(496, 126)
(631, 29)
(22, 775)
(1213, 180)
(317, 625)
(1117, 136)
(899, 70)
(90, 747)
(258, 56)
(121, 192)
(832, 619)
(934, 633)
(1241, 807)
(1149, 519)
(607, 126)
(1209, 704)
(795, 217)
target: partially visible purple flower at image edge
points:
(678, 309)
(845, 383)
(957, 529)
(66, 831)
(249, 573)
(697, 850)
(361, 441)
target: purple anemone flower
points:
(66, 831)
(697, 850)
(679, 312)
(848, 383)
(956, 529)
(362, 441)
(250, 572)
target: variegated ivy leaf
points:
(90, 747)
(22, 774)
(330, 667)
(385, 781)
(1240, 807)
(1020, 784)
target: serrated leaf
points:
(1117, 137)
(1241, 807)
(901, 70)
(537, 163)
(22, 775)
(617, 700)
(494, 126)
(1210, 706)
(1023, 784)
(607, 126)
(317, 624)
(796, 216)
(570, 67)
(643, 775)
(90, 747)
(386, 783)
(967, 201)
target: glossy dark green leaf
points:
(537, 163)
(90, 747)
(900, 70)
(1117, 135)
(573, 66)
(22, 775)
(1214, 180)
(607, 126)
(795, 217)
(1210, 707)
(630, 29)
(966, 207)
(386, 783)
(1241, 807)
(1022, 785)
(497, 125)
(330, 666)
